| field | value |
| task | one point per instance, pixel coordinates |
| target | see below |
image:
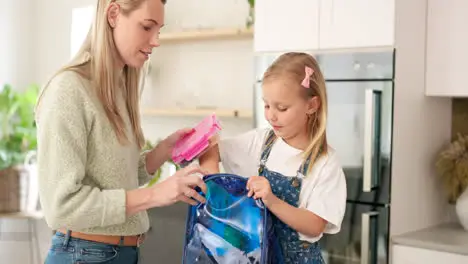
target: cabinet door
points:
(447, 42)
(356, 23)
(411, 255)
(285, 26)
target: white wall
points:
(205, 74)
(422, 126)
(16, 42)
(52, 44)
(200, 74)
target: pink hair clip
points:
(308, 72)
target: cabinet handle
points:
(367, 250)
(371, 115)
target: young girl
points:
(299, 177)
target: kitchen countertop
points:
(449, 237)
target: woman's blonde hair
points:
(96, 61)
(291, 66)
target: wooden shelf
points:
(197, 112)
(207, 34)
(23, 215)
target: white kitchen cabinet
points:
(323, 24)
(356, 23)
(284, 26)
(412, 255)
(447, 52)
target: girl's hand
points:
(260, 188)
(180, 187)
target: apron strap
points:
(305, 165)
(266, 148)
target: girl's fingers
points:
(258, 195)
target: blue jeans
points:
(68, 250)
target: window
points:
(82, 18)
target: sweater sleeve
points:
(63, 121)
(143, 175)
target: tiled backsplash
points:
(459, 116)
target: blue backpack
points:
(230, 227)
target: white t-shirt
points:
(323, 191)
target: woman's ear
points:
(313, 105)
(113, 12)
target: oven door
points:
(360, 119)
(359, 128)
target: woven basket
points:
(12, 189)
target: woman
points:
(89, 142)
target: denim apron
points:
(294, 251)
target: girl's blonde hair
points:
(291, 66)
(96, 61)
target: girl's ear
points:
(313, 105)
(113, 12)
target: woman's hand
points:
(163, 151)
(169, 142)
(260, 188)
(180, 187)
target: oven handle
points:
(365, 236)
(369, 138)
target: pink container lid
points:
(188, 147)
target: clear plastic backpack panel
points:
(229, 228)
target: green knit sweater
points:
(83, 170)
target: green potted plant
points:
(251, 17)
(452, 167)
(17, 141)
